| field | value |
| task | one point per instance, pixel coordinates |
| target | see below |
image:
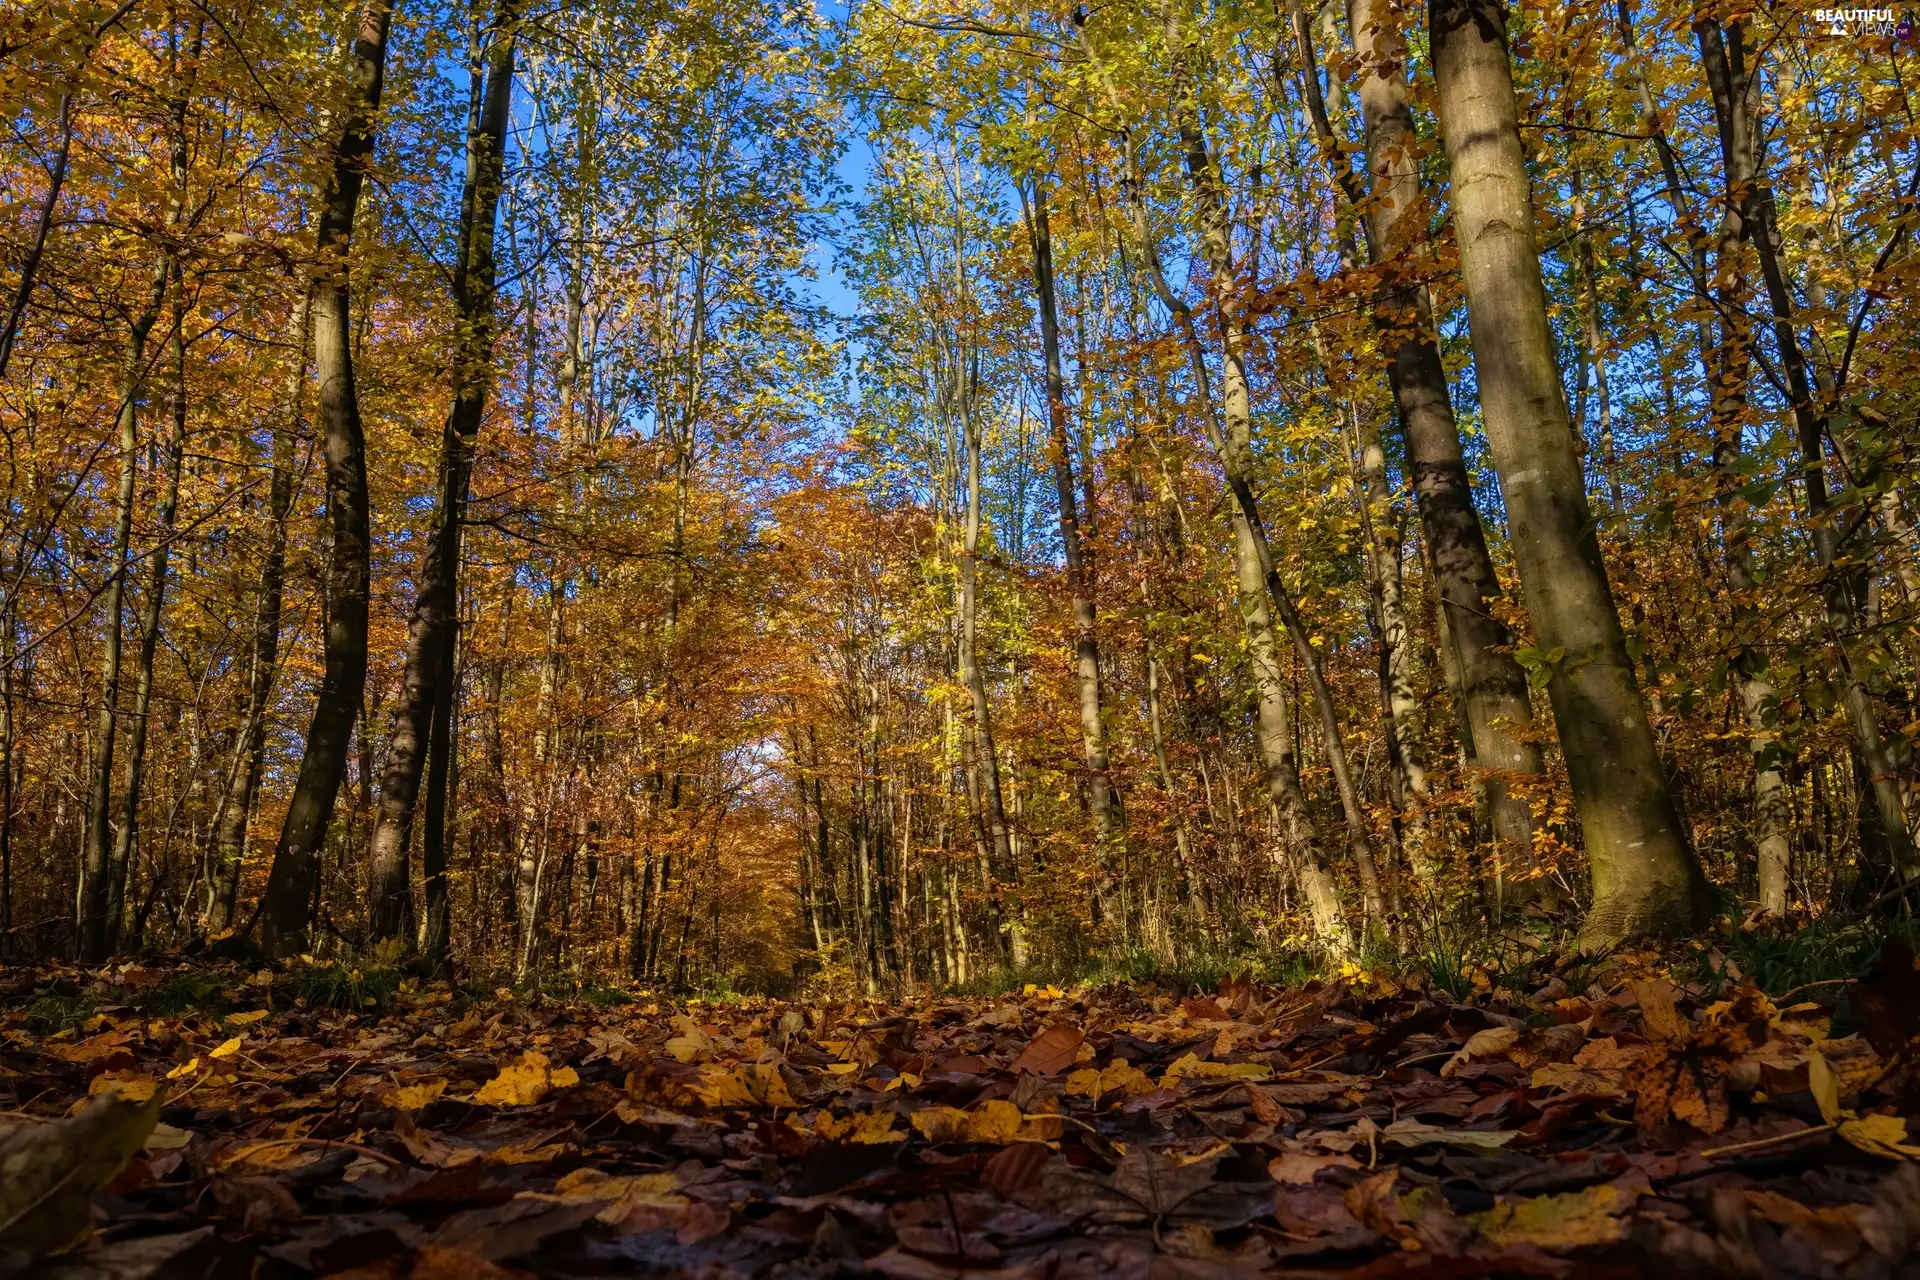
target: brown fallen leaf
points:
(1300, 1168)
(1050, 1052)
(49, 1172)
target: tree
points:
(1644, 874)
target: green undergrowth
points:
(1465, 961)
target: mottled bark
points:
(1645, 877)
(1498, 707)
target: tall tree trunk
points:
(1735, 87)
(1725, 366)
(293, 882)
(1645, 878)
(97, 925)
(1490, 682)
(1300, 846)
(232, 823)
(1235, 449)
(126, 837)
(426, 684)
(1093, 731)
(1003, 867)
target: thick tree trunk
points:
(431, 628)
(292, 884)
(1079, 573)
(1645, 877)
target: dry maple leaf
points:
(1684, 1077)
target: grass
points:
(58, 1006)
(1183, 976)
(1784, 959)
(187, 993)
(336, 986)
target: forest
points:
(885, 496)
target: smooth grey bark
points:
(293, 881)
(1645, 877)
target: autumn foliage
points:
(1355, 1126)
(851, 501)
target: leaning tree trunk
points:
(286, 910)
(1300, 846)
(1645, 878)
(426, 684)
(1235, 449)
(1490, 683)
(1079, 574)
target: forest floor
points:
(1599, 1124)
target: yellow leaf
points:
(134, 1086)
(1576, 1220)
(412, 1097)
(246, 1019)
(526, 1083)
(1881, 1136)
(751, 1084)
(1190, 1067)
(997, 1121)
(692, 1044)
(228, 1049)
(1122, 1076)
(1084, 1083)
(185, 1068)
(867, 1126)
(1824, 1087)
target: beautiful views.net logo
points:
(1864, 22)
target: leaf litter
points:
(1352, 1127)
